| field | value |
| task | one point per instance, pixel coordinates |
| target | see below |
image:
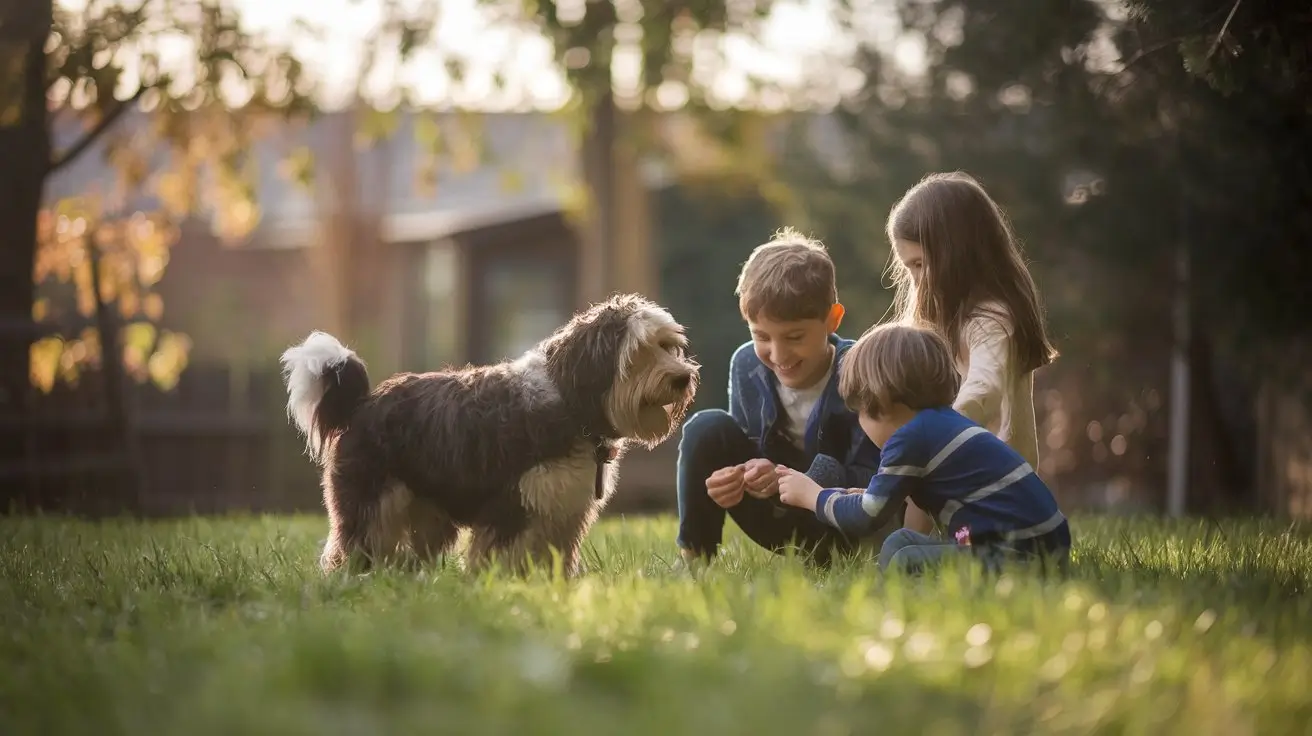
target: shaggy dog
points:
(521, 453)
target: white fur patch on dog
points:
(565, 488)
(532, 366)
(304, 366)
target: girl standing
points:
(958, 269)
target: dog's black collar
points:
(603, 452)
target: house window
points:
(440, 342)
(527, 298)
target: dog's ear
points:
(584, 355)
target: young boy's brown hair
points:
(789, 278)
(898, 364)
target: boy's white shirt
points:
(798, 404)
(993, 392)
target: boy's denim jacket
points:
(842, 455)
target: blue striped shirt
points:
(960, 474)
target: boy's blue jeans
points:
(713, 440)
(909, 551)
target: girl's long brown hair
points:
(971, 257)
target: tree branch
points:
(1225, 27)
(85, 141)
(1145, 51)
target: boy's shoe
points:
(693, 561)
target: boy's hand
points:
(725, 486)
(759, 478)
(796, 489)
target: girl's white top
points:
(994, 392)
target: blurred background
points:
(187, 187)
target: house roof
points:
(529, 159)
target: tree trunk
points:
(596, 271)
(128, 495)
(25, 151)
(355, 266)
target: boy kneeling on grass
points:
(784, 408)
(901, 381)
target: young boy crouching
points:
(784, 408)
(901, 381)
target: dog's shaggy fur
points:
(522, 453)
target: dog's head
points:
(624, 363)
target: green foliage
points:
(1234, 47)
(1220, 97)
(217, 626)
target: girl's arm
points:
(988, 345)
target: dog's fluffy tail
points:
(326, 383)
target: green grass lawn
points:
(226, 626)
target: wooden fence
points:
(217, 441)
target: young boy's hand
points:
(796, 489)
(759, 478)
(725, 486)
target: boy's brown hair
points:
(789, 278)
(898, 364)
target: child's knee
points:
(902, 560)
(706, 425)
(894, 542)
(708, 419)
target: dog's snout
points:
(680, 383)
